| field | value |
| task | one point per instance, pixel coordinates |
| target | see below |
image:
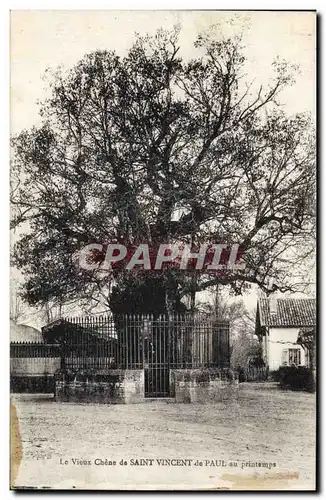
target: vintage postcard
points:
(163, 239)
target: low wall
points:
(203, 385)
(127, 386)
(109, 387)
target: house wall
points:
(279, 339)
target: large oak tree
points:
(153, 148)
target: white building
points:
(278, 323)
(24, 333)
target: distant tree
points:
(16, 307)
(241, 323)
(307, 339)
(127, 143)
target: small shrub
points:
(275, 375)
(241, 374)
(296, 378)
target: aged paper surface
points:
(163, 310)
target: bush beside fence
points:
(252, 373)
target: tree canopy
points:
(151, 147)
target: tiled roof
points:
(289, 312)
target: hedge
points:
(296, 378)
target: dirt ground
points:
(222, 445)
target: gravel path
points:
(264, 426)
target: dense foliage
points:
(151, 147)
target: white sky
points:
(42, 39)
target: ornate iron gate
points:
(181, 342)
(156, 360)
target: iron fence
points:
(256, 373)
(34, 350)
(142, 341)
(155, 344)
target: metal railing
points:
(137, 341)
(133, 341)
(155, 344)
(34, 350)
